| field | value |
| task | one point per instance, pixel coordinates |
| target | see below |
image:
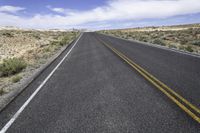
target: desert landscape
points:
(23, 51)
(100, 66)
(180, 37)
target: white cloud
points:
(115, 10)
(62, 10)
(10, 9)
(58, 10)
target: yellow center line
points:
(165, 86)
(158, 84)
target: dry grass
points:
(31, 46)
(182, 37)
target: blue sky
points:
(36, 6)
(97, 14)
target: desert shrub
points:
(7, 34)
(170, 34)
(183, 41)
(189, 49)
(125, 36)
(129, 35)
(164, 38)
(12, 66)
(48, 49)
(142, 38)
(154, 36)
(196, 31)
(36, 36)
(196, 42)
(189, 31)
(159, 42)
(145, 40)
(54, 43)
(16, 79)
(172, 46)
(181, 47)
(2, 91)
(64, 41)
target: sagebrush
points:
(12, 66)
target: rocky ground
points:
(181, 37)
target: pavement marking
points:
(175, 97)
(16, 115)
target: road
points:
(93, 91)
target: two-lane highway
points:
(94, 91)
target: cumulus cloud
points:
(10, 9)
(114, 10)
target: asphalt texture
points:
(94, 91)
(180, 72)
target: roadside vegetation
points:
(23, 51)
(181, 37)
(12, 66)
(16, 79)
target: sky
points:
(97, 14)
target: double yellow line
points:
(185, 105)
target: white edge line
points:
(16, 115)
(157, 46)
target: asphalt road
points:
(94, 91)
(179, 71)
